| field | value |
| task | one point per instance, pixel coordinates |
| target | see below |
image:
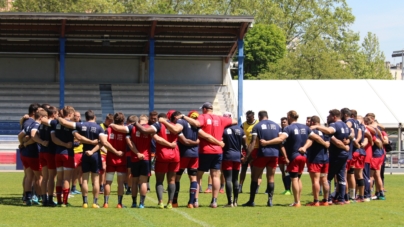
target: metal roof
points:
(126, 34)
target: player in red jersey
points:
(109, 119)
(210, 155)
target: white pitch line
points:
(185, 215)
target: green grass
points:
(375, 213)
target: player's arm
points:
(250, 147)
(84, 139)
(58, 142)
(35, 137)
(381, 127)
(110, 148)
(323, 129)
(164, 142)
(306, 146)
(234, 122)
(92, 151)
(318, 139)
(66, 123)
(21, 136)
(283, 151)
(119, 128)
(281, 137)
(133, 148)
(177, 128)
(377, 142)
(358, 138)
(186, 141)
(191, 121)
(202, 134)
(338, 143)
(144, 130)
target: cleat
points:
(65, 205)
(75, 192)
(190, 206)
(134, 205)
(169, 206)
(374, 197)
(105, 205)
(366, 200)
(221, 191)
(120, 206)
(196, 204)
(347, 202)
(381, 198)
(128, 192)
(235, 204)
(208, 190)
(359, 200)
(96, 206)
(141, 206)
(324, 203)
(287, 192)
(228, 205)
(269, 203)
(85, 205)
(28, 203)
(313, 204)
(175, 205)
(248, 204)
(338, 203)
(295, 205)
(213, 205)
(161, 206)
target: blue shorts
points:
(141, 168)
(91, 163)
(210, 161)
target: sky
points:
(383, 18)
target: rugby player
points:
(109, 119)
(234, 139)
(282, 164)
(210, 155)
(78, 153)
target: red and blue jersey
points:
(117, 141)
(163, 153)
(45, 134)
(341, 132)
(317, 153)
(361, 150)
(142, 143)
(267, 130)
(65, 135)
(376, 151)
(91, 131)
(297, 135)
(355, 127)
(233, 140)
(190, 133)
(31, 150)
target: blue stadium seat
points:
(9, 128)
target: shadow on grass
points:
(11, 201)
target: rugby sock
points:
(235, 188)
(253, 189)
(177, 190)
(134, 199)
(85, 199)
(101, 187)
(258, 188)
(28, 195)
(120, 199)
(288, 182)
(44, 199)
(316, 201)
(352, 193)
(221, 186)
(73, 188)
(240, 187)
(271, 188)
(210, 186)
(59, 194)
(106, 197)
(95, 200)
(65, 195)
(142, 198)
(159, 191)
(171, 191)
(192, 191)
(125, 185)
(214, 200)
(129, 189)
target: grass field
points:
(375, 213)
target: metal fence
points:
(395, 160)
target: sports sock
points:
(177, 190)
(28, 195)
(229, 185)
(271, 188)
(352, 193)
(210, 186)
(214, 200)
(65, 195)
(101, 187)
(142, 198)
(50, 199)
(59, 194)
(192, 191)
(240, 188)
(134, 199)
(73, 188)
(80, 186)
(125, 185)
(221, 186)
(316, 201)
(288, 182)
(159, 191)
(253, 189)
(44, 199)
(129, 189)
(120, 199)
(95, 200)
(258, 188)
(171, 191)
(106, 197)
(85, 199)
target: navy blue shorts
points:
(210, 161)
(128, 162)
(91, 163)
(141, 167)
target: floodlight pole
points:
(151, 74)
(62, 53)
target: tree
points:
(374, 59)
(263, 44)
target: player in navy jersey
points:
(282, 163)
(47, 160)
(78, 153)
(353, 124)
(234, 139)
(295, 136)
(30, 155)
(377, 156)
(338, 151)
(267, 155)
(89, 134)
(317, 164)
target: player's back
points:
(341, 132)
(267, 130)
(297, 137)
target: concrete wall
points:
(93, 69)
(177, 70)
(28, 68)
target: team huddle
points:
(349, 150)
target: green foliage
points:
(263, 44)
